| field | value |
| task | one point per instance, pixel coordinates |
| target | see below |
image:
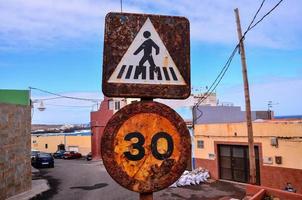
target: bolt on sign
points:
(146, 56)
(146, 146)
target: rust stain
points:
(166, 61)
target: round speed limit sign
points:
(146, 146)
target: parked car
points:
(71, 155)
(58, 154)
(42, 160)
(34, 153)
(89, 156)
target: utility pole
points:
(252, 178)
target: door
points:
(61, 147)
(234, 163)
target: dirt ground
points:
(218, 190)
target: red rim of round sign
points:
(111, 130)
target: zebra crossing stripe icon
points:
(147, 61)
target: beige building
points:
(117, 103)
(222, 148)
(49, 142)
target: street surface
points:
(89, 180)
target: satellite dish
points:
(41, 106)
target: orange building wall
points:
(52, 141)
(289, 134)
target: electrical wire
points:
(264, 16)
(260, 7)
(72, 106)
(226, 66)
(46, 99)
(63, 96)
(228, 63)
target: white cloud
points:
(214, 21)
(284, 93)
(32, 23)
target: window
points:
(200, 144)
(117, 105)
(46, 146)
(110, 104)
(34, 141)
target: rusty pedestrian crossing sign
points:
(146, 56)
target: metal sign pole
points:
(151, 65)
(146, 196)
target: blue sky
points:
(57, 46)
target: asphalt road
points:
(88, 180)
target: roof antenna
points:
(121, 6)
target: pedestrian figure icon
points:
(147, 48)
(147, 61)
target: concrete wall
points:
(219, 114)
(288, 134)
(15, 163)
(225, 114)
(82, 142)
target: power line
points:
(71, 106)
(210, 91)
(63, 96)
(228, 63)
(46, 99)
(264, 16)
(226, 66)
(249, 27)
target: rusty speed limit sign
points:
(146, 146)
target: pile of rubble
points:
(194, 177)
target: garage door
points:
(234, 163)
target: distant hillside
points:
(58, 128)
(44, 126)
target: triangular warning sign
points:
(147, 61)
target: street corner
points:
(37, 187)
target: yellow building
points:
(49, 142)
(222, 148)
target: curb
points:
(38, 186)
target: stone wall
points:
(15, 149)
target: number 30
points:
(141, 141)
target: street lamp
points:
(41, 107)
